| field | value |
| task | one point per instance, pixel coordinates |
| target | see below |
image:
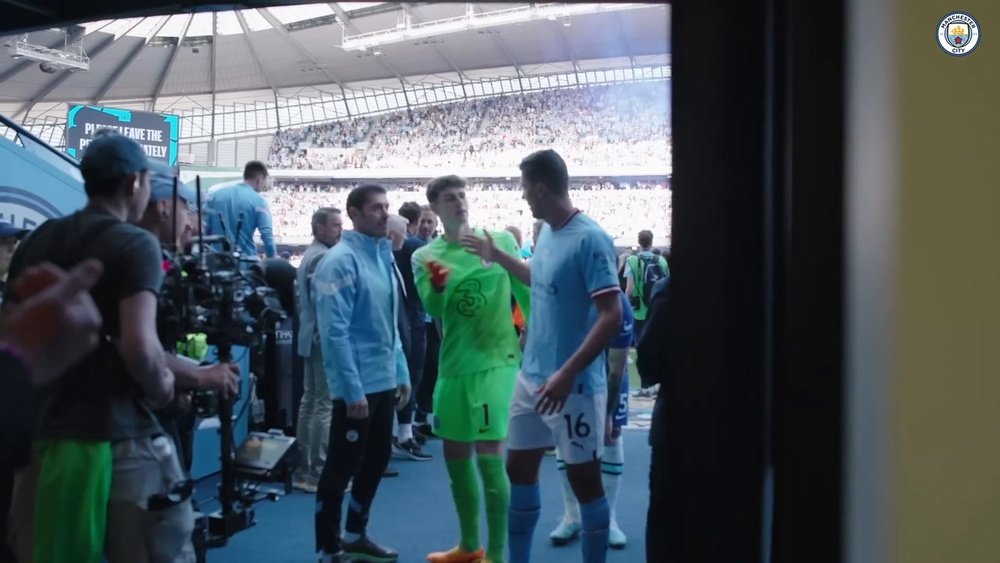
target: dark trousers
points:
(656, 517)
(415, 362)
(6, 489)
(425, 393)
(358, 449)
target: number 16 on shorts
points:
(577, 430)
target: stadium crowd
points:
(618, 208)
(610, 125)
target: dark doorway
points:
(753, 419)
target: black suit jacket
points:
(403, 315)
(404, 258)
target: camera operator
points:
(100, 410)
(175, 233)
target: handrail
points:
(24, 133)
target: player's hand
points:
(223, 378)
(439, 275)
(552, 395)
(402, 396)
(56, 322)
(480, 246)
(358, 410)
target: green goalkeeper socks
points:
(465, 491)
(497, 487)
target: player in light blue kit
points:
(237, 211)
(613, 461)
(561, 394)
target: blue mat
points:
(414, 514)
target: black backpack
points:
(650, 272)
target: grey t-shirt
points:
(96, 399)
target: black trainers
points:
(409, 450)
(425, 430)
(419, 437)
(364, 549)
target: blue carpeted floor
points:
(414, 514)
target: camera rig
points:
(213, 292)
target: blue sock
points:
(595, 517)
(525, 506)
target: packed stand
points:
(610, 125)
(291, 147)
(494, 205)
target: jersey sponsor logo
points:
(958, 34)
(470, 298)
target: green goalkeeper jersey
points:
(475, 307)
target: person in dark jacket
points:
(413, 332)
(652, 363)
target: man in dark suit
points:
(405, 445)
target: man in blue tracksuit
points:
(237, 211)
(356, 304)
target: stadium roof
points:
(301, 45)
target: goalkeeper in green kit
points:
(480, 357)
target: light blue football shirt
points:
(571, 265)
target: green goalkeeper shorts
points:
(474, 407)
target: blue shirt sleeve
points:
(624, 338)
(335, 293)
(264, 226)
(597, 262)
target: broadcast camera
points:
(205, 290)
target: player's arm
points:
(609, 320)
(264, 226)
(617, 360)
(335, 292)
(429, 289)
(521, 291)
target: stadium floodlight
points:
(72, 58)
(470, 20)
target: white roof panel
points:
(310, 54)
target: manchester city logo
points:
(958, 34)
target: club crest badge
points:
(958, 34)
